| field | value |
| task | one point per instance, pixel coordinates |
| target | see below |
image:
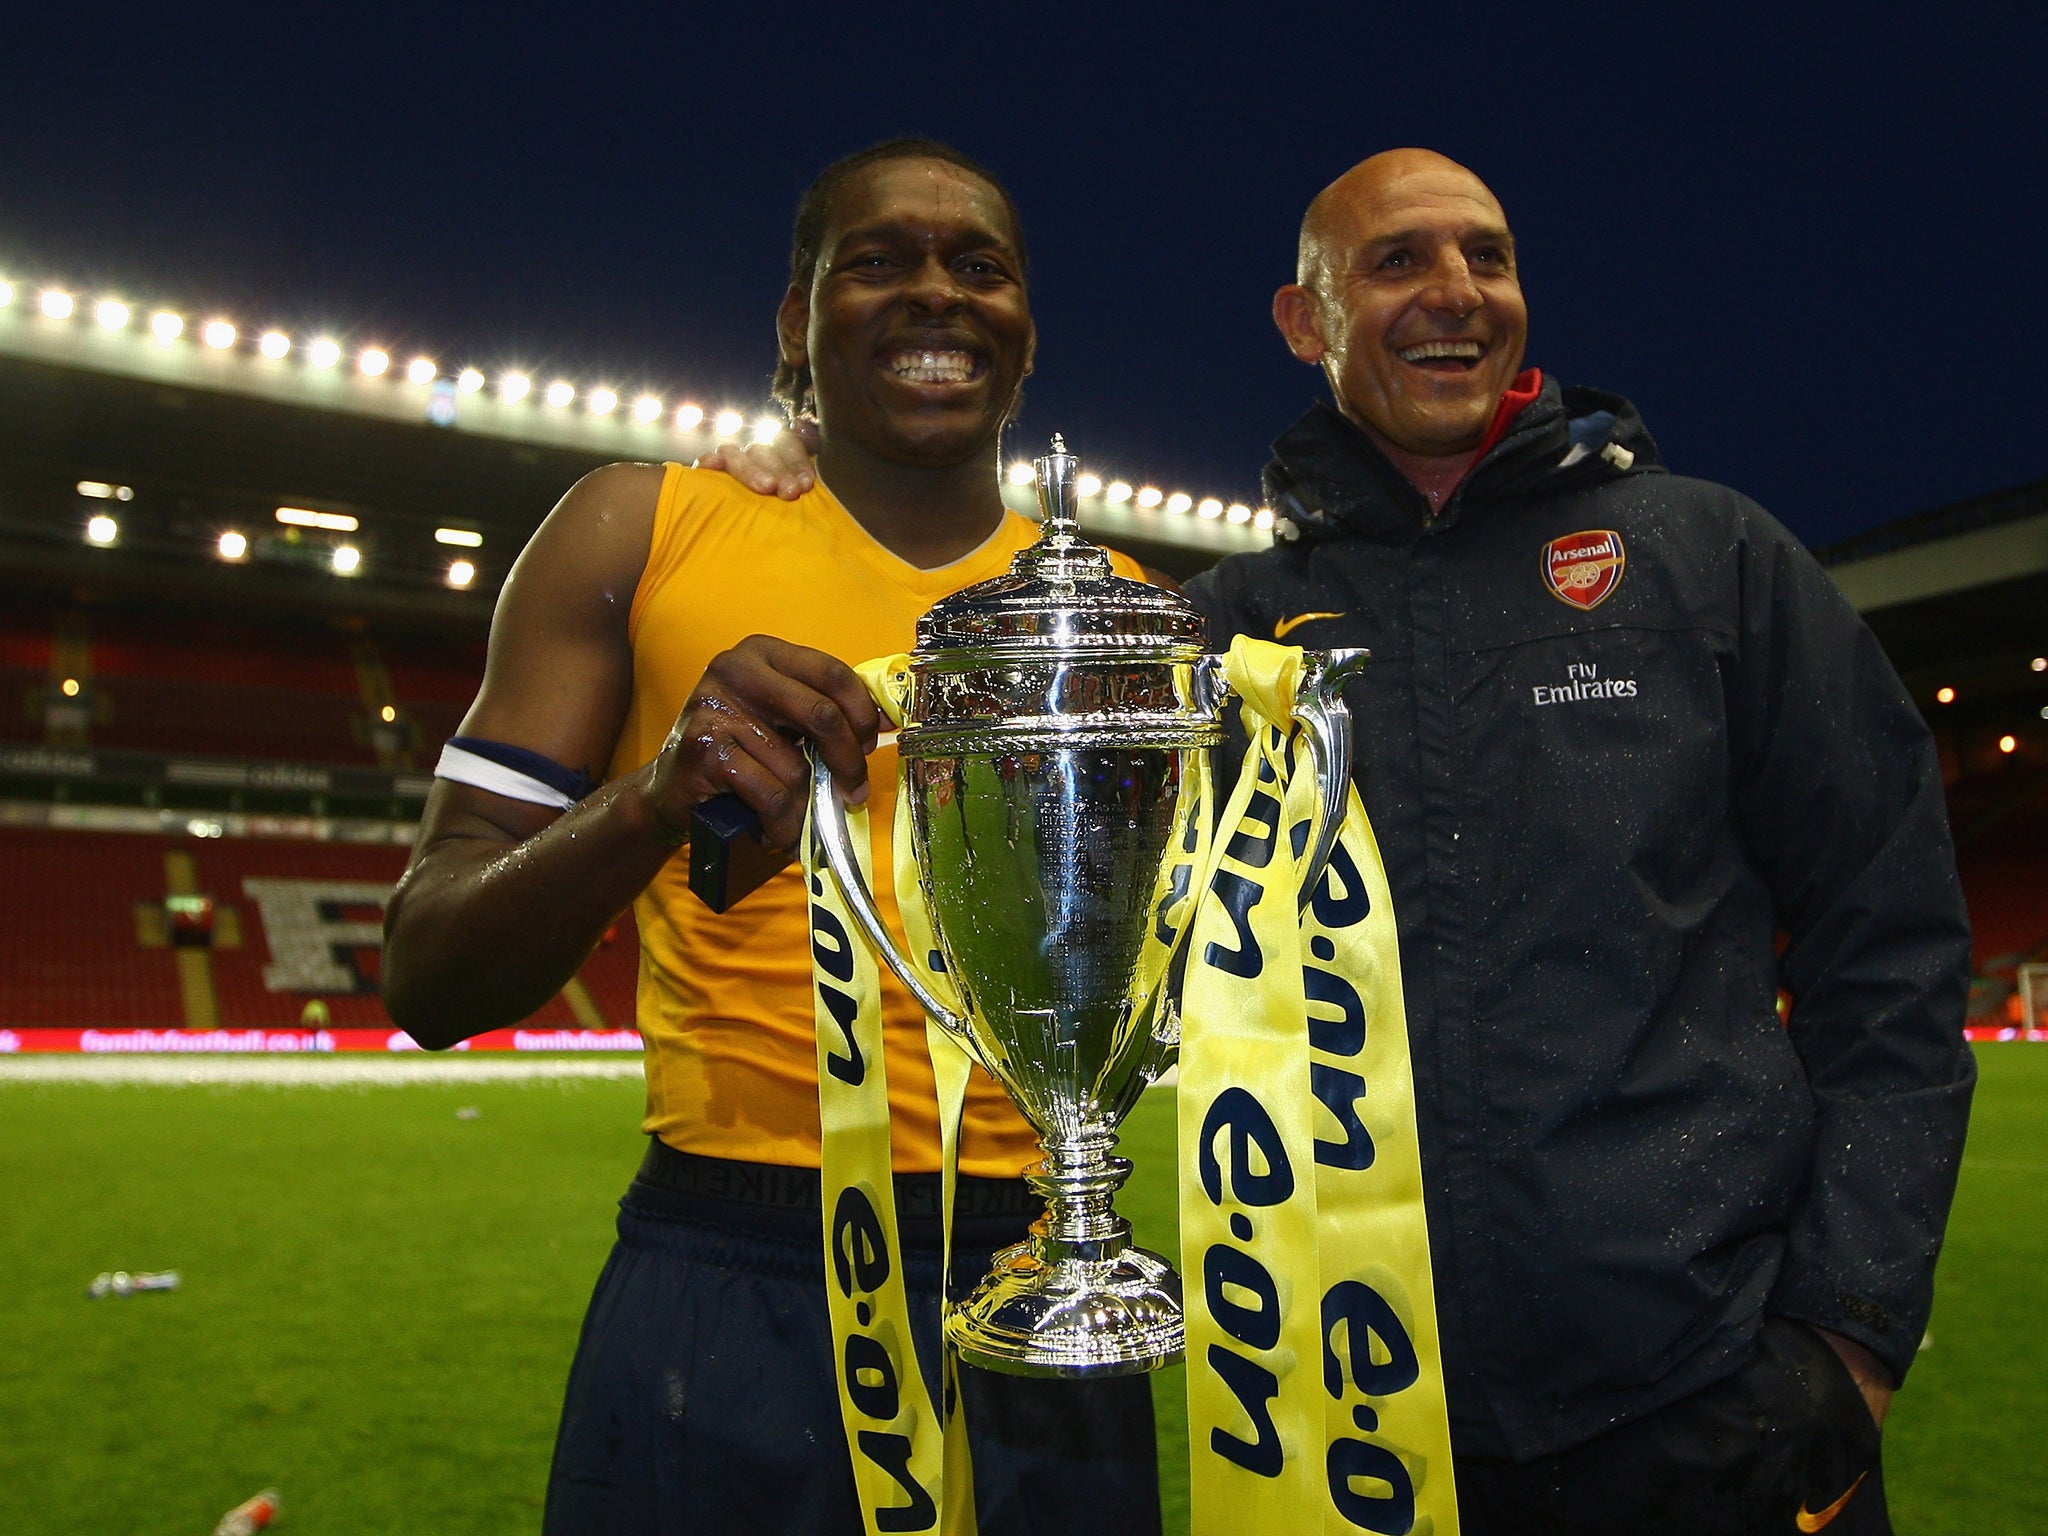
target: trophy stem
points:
(1077, 1298)
(1079, 1180)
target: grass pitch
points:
(381, 1299)
(379, 1305)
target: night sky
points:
(1812, 253)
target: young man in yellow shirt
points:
(630, 679)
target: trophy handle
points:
(828, 818)
(1319, 706)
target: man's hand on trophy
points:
(739, 735)
(779, 467)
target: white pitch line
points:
(323, 1071)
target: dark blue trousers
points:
(1776, 1448)
(702, 1397)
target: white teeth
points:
(933, 367)
(1463, 351)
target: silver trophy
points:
(1054, 717)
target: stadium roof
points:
(1958, 596)
(296, 381)
(1974, 543)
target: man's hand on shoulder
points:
(779, 467)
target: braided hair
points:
(791, 387)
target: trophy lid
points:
(1062, 590)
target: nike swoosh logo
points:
(1813, 1522)
(1285, 626)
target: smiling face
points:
(916, 326)
(1409, 301)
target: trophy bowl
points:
(1050, 750)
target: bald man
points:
(1619, 735)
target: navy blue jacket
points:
(1608, 775)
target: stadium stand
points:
(230, 687)
(2000, 821)
(432, 680)
(88, 944)
(225, 688)
(71, 955)
(26, 627)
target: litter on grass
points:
(121, 1283)
(468, 1112)
(249, 1516)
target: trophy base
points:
(1069, 1316)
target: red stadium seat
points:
(70, 955)
(74, 955)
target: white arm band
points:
(467, 768)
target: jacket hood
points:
(1327, 479)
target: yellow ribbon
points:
(1315, 1387)
(911, 1464)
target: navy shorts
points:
(702, 1397)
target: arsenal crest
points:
(1583, 568)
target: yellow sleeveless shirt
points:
(725, 999)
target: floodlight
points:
(1179, 501)
(347, 559)
(728, 423)
(422, 370)
(515, 386)
(469, 381)
(646, 408)
(1021, 473)
(1151, 496)
(274, 344)
(1089, 485)
(305, 517)
(765, 428)
(1119, 493)
(689, 417)
(603, 401)
(374, 361)
(56, 303)
(324, 353)
(102, 529)
(166, 326)
(560, 393)
(233, 546)
(217, 334)
(6, 294)
(1210, 507)
(1263, 518)
(70, 687)
(112, 314)
(1237, 512)
(460, 573)
(464, 538)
